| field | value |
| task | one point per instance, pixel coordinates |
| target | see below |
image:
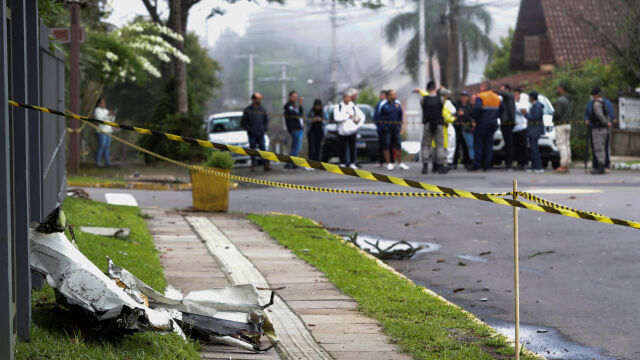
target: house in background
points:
(551, 33)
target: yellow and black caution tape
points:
(541, 201)
(267, 155)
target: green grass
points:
(419, 323)
(60, 333)
(94, 179)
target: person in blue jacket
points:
(607, 148)
(535, 129)
(293, 116)
(391, 117)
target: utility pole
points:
(334, 53)
(283, 77)
(422, 52)
(250, 57)
(74, 86)
(453, 52)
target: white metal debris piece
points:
(120, 233)
(231, 315)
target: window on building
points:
(532, 49)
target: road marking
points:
(120, 199)
(564, 191)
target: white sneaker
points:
(354, 166)
(389, 166)
(309, 169)
(402, 166)
(539, 171)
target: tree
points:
(474, 24)
(499, 65)
(622, 43)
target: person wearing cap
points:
(600, 124)
(464, 131)
(486, 111)
(535, 129)
(612, 116)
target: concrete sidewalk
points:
(312, 318)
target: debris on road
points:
(458, 290)
(122, 303)
(119, 233)
(440, 260)
(540, 253)
(484, 299)
(485, 253)
(399, 250)
(460, 263)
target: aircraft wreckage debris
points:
(123, 303)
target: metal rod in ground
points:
(516, 271)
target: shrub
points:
(220, 159)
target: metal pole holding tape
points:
(516, 271)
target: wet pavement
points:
(577, 276)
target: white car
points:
(225, 128)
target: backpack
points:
(432, 110)
(593, 119)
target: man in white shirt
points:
(520, 148)
(349, 118)
(104, 141)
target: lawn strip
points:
(420, 323)
(59, 333)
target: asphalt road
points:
(584, 284)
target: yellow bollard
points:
(210, 192)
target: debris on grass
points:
(399, 250)
(121, 303)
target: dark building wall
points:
(531, 22)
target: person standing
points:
(535, 129)
(486, 111)
(464, 131)
(391, 117)
(520, 130)
(293, 115)
(507, 122)
(562, 116)
(612, 116)
(256, 122)
(349, 118)
(376, 120)
(104, 141)
(433, 123)
(316, 130)
(600, 124)
(449, 132)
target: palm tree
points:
(474, 22)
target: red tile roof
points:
(572, 39)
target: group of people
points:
(468, 125)
(520, 117)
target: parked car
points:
(367, 136)
(224, 128)
(547, 142)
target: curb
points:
(131, 185)
(383, 265)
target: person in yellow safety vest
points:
(448, 113)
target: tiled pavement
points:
(312, 317)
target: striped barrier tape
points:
(267, 155)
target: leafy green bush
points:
(220, 159)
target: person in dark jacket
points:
(486, 112)
(316, 129)
(535, 129)
(433, 129)
(600, 123)
(293, 116)
(256, 122)
(612, 116)
(507, 122)
(376, 120)
(464, 131)
(391, 118)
